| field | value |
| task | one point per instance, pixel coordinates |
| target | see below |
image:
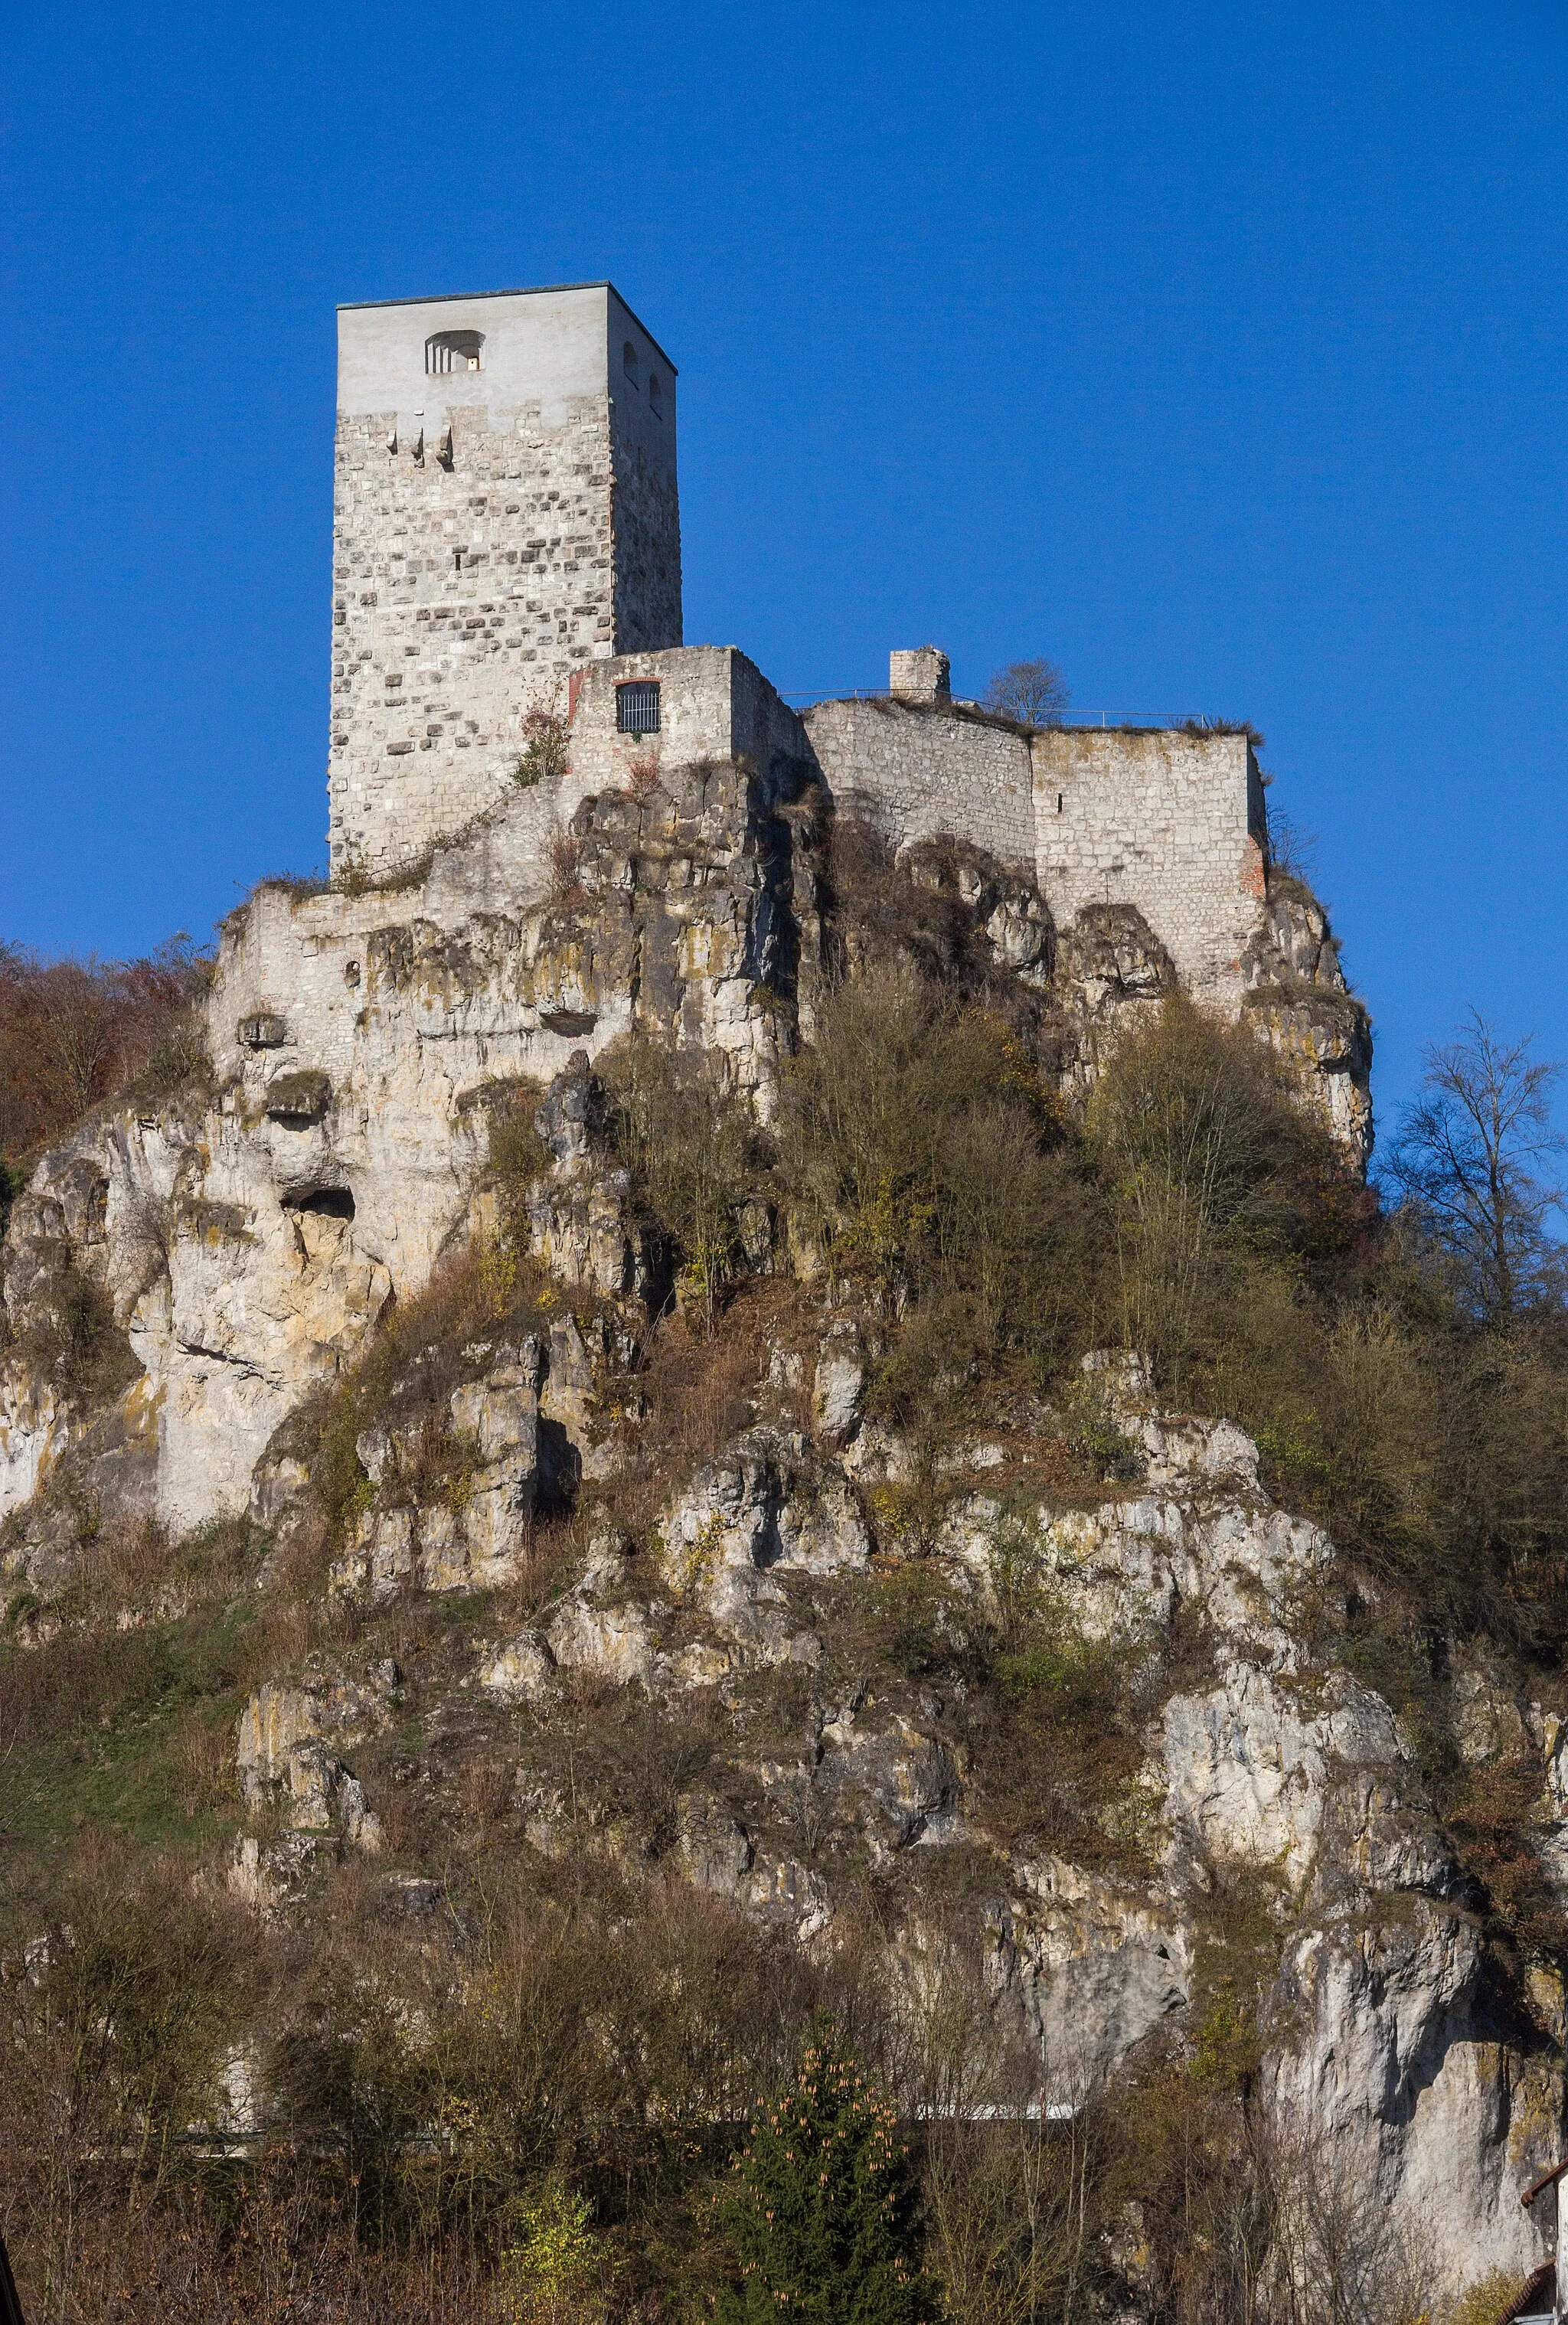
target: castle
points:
(508, 541)
(552, 825)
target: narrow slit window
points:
(630, 361)
(637, 706)
(656, 394)
(447, 351)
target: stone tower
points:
(505, 510)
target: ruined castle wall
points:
(914, 771)
(715, 704)
(1171, 822)
(495, 530)
(1168, 822)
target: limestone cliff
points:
(250, 1235)
(405, 1084)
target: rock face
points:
(1297, 995)
(250, 1237)
(250, 1243)
(1390, 2037)
(287, 1763)
(767, 1507)
(373, 1051)
(1092, 1966)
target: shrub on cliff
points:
(690, 1139)
(1217, 1182)
(921, 1148)
(76, 1033)
(824, 2207)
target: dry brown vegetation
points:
(76, 1033)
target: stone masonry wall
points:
(1170, 821)
(465, 585)
(915, 771)
(645, 523)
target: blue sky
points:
(1217, 352)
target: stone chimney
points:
(918, 674)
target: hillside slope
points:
(625, 1469)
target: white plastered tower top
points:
(547, 346)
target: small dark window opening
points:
(453, 351)
(656, 394)
(457, 559)
(629, 358)
(637, 706)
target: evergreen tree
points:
(823, 2207)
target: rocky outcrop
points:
(249, 1237)
(289, 1769)
(469, 1529)
(1297, 997)
(360, 1041)
(1091, 1966)
(768, 1507)
(1274, 1786)
(378, 1056)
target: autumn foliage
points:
(75, 1033)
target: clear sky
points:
(1218, 352)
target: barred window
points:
(637, 706)
(453, 351)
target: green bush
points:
(927, 1156)
(545, 753)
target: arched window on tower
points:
(629, 358)
(453, 351)
(656, 394)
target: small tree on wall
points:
(1030, 692)
(823, 2207)
(546, 750)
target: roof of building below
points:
(1535, 2298)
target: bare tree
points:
(1033, 692)
(1468, 1161)
(1343, 2253)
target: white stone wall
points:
(1170, 821)
(916, 771)
(714, 704)
(463, 594)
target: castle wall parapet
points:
(916, 769)
(1168, 819)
